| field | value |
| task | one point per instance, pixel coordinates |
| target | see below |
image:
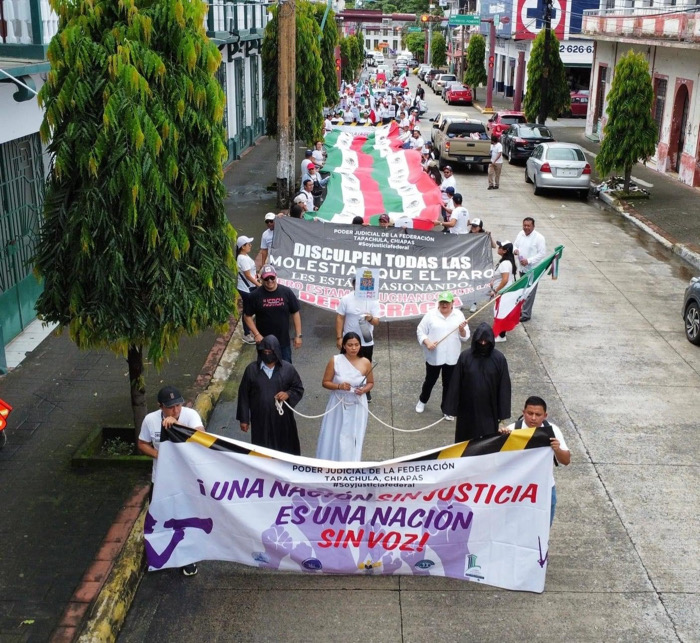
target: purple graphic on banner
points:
(178, 525)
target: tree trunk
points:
(628, 178)
(138, 386)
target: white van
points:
(378, 59)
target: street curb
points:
(98, 608)
(664, 238)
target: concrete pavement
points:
(606, 349)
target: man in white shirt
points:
(171, 412)
(535, 416)
(458, 223)
(266, 239)
(496, 164)
(441, 333)
(529, 248)
(317, 155)
(308, 160)
(448, 181)
(359, 316)
(307, 192)
(417, 141)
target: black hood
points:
(484, 331)
(271, 343)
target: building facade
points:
(668, 35)
(26, 28)
(518, 22)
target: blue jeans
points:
(286, 353)
(554, 505)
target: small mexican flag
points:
(510, 303)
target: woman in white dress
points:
(506, 269)
(350, 378)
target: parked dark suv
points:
(691, 311)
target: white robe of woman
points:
(343, 428)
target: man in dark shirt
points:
(273, 305)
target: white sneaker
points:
(499, 339)
(472, 308)
(449, 418)
(420, 407)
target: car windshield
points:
(456, 87)
(565, 154)
(511, 119)
(534, 132)
(448, 77)
(460, 130)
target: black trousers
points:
(431, 376)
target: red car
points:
(501, 121)
(579, 103)
(458, 93)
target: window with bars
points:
(660, 85)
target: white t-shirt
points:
(151, 427)
(506, 267)
(317, 156)
(352, 309)
(266, 239)
(245, 264)
(448, 181)
(461, 214)
(305, 166)
(557, 434)
(496, 150)
(417, 143)
(531, 247)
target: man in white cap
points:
(266, 239)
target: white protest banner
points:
(476, 511)
(318, 262)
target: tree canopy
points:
(629, 102)
(310, 94)
(557, 97)
(415, 43)
(329, 41)
(438, 50)
(476, 71)
(135, 248)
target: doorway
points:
(679, 124)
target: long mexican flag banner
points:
(510, 303)
(371, 175)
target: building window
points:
(660, 85)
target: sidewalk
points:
(670, 214)
(53, 518)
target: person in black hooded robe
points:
(479, 393)
(265, 380)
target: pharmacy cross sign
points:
(538, 13)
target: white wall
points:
(18, 119)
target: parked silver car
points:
(560, 166)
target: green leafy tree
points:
(357, 52)
(438, 50)
(310, 96)
(475, 75)
(329, 40)
(346, 71)
(557, 98)
(415, 43)
(629, 101)
(135, 248)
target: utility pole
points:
(544, 81)
(488, 108)
(286, 101)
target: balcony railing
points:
(27, 22)
(234, 17)
(33, 22)
(665, 23)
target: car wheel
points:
(485, 168)
(527, 178)
(692, 323)
(537, 190)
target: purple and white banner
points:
(476, 511)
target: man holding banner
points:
(530, 248)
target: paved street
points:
(606, 349)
